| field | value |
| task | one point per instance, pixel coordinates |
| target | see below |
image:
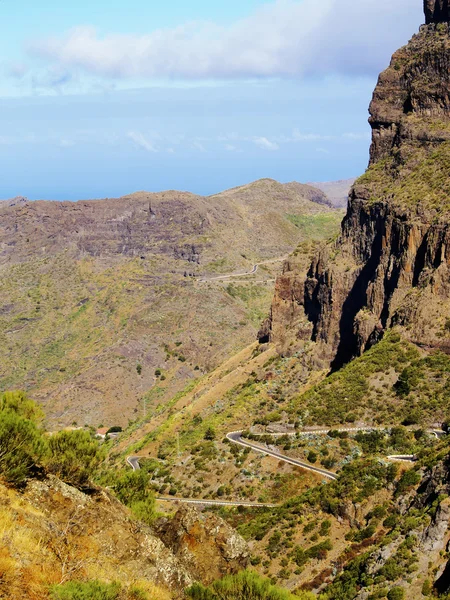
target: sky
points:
(100, 99)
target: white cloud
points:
(283, 38)
(198, 146)
(140, 140)
(266, 144)
(232, 148)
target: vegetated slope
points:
(98, 296)
(378, 293)
(64, 537)
(390, 263)
(394, 387)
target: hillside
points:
(339, 415)
(98, 296)
(389, 266)
(317, 457)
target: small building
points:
(101, 433)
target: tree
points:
(74, 457)
(210, 434)
(22, 447)
(132, 489)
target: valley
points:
(104, 294)
(244, 396)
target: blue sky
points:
(102, 99)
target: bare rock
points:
(437, 11)
(207, 545)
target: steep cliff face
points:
(390, 265)
(437, 11)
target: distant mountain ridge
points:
(336, 191)
(97, 296)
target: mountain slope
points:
(98, 296)
(390, 263)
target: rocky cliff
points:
(436, 11)
(390, 265)
(83, 537)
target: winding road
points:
(252, 272)
(235, 437)
(133, 461)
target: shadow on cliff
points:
(349, 344)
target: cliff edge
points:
(390, 264)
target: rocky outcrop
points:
(56, 533)
(206, 545)
(437, 11)
(390, 265)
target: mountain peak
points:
(437, 11)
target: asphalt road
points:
(236, 438)
(215, 502)
(133, 461)
(252, 272)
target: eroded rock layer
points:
(390, 265)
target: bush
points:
(210, 434)
(132, 489)
(312, 456)
(396, 593)
(22, 444)
(408, 480)
(114, 429)
(19, 403)
(22, 447)
(74, 457)
(244, 586)
(94, 590)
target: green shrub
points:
(210, 434)
(407, 481)
(244, 586)
(22, 444)
(396, 593)
(312, 456)
(91, 590)
(132, 489)
(74, 457)
(22, 447)
(19, 403)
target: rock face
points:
(207, 546)
(79, 537)
(176, 224)
(390, 265)
(436, 11)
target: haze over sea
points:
(107, 98)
